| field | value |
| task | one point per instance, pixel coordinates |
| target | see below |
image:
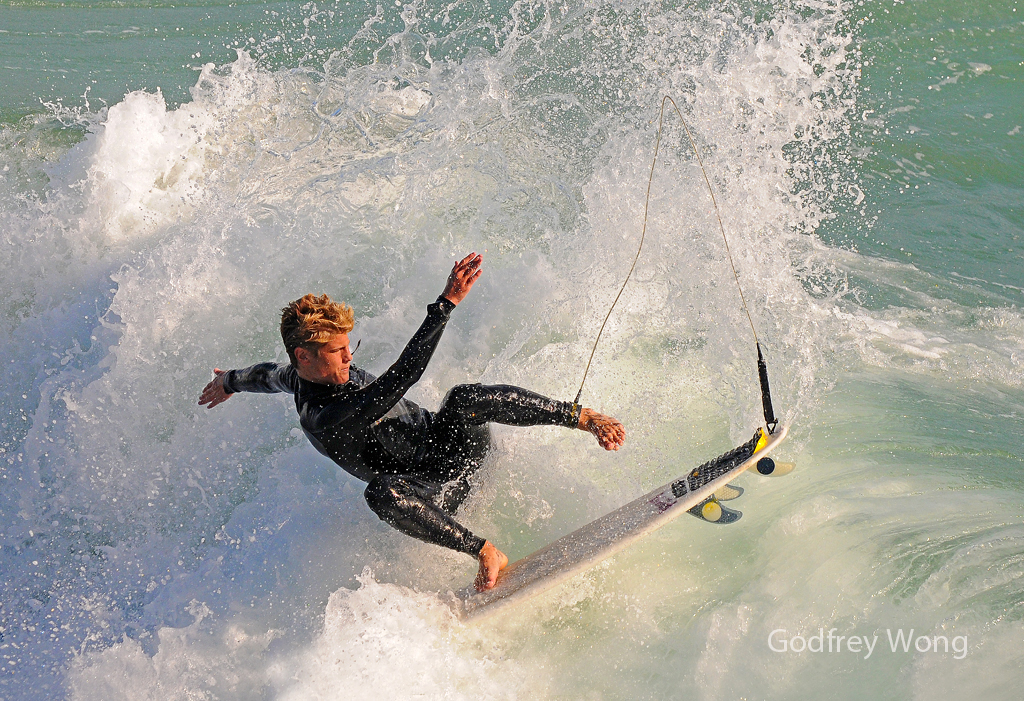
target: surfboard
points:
(607, 535)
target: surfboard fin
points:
(712, 511)
(728, 493)
(782, 468)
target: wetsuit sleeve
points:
(366, 405)
(265, 378)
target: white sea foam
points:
(379, 640)
(147, 169)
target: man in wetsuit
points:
(417, 464)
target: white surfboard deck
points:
(596, 541)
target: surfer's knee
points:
(383, 494)
(454, 493)
(461, 397)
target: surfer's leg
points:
(455, 449)
(469, 405)
(407, 504)
(505, 404)
(454, 452)
(459, 437)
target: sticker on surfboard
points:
(607, 535)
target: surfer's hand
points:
(610, 432)
(463, 275)
(214, 392)
(492, 561)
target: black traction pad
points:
(713, 469)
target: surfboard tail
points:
(713, 469)
(608, 534)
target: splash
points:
(376, 639)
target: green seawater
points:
(939, 120)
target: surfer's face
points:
(328, 364)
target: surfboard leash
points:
(762, 369)
(643, 234)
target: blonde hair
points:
(310, 321)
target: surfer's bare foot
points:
(610, 432)
(492, 561)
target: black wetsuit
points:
(417, 463)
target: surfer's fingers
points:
(214, 393)
(461, 269)
(208, 398)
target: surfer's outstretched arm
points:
(214, 393)
(263, 378)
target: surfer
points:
(417, 463)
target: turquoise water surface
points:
(171, 174)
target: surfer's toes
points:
(486, 579)
(492, 561)
(611, 435)
(609, 431)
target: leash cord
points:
(643, 235)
